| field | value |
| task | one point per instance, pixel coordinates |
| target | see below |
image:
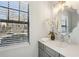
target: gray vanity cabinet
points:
(51, 52)
(45, 51)
(41, 48)
(61, 55)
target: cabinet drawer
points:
(42, 53)
(46, 55)
(51, 52)
(40, 45)
(61, 55)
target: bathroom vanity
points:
(56, 48)
(45, 51)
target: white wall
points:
(39, 11)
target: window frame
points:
(14, 21)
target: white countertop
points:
(68, 50)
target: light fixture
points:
(58, 7)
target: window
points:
(13, 15)
(23, 16)
(24, 6)
(14, 5)
(3, 3)
(14, 21)
(64, 24)
(3, 13)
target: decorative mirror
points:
(66, 20)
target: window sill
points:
(14, 46)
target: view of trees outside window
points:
(14, 18)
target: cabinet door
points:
(46, 55)
(40, 45)
(43, 53)
(51, 52)
(61, 55)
